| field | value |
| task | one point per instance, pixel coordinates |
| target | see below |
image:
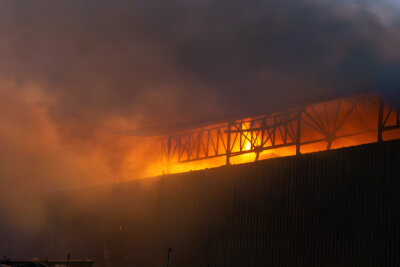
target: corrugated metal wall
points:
(334, 208)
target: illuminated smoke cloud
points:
(189, 60)
(99, 67)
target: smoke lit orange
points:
(329, 125)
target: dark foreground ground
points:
(334, 208)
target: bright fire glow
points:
(352, 124)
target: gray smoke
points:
(73, 72)
(189, 60)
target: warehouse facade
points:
(331, 208)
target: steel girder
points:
(315, 123)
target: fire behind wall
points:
(332, 208)
(330, 124)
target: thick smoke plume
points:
(74, 74)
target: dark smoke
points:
(72, 73)
(188, 60)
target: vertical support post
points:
(240, 137)
(380, 121)
(169, 149)
(189, 146)
(330, 141)
(273, 132)
(228, 144)
(198, 144)
(298, 134)
(68, 259)
(263, 126)
(169, 256)
(169, 153)
(261, 146)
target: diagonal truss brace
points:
(279, 130)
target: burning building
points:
(330, 208)
(307, 207)
(271, 183)
(331, 124)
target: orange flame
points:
(330, 125)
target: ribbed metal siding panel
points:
(334, 208)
